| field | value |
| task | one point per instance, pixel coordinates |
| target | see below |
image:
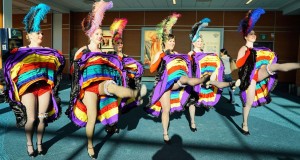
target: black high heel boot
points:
(92, 156)
(112, 129)
(41, 153)
(246, 133)
(234, 84)
(193, 129)
(166, 141)
(30, 154)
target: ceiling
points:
(288, 7)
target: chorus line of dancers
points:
(104, 85)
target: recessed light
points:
(249, 1)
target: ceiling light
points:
(249, 1)
(174, 1)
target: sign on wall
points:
(212, 39)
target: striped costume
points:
(26, 66)
(207, 62)
(172, 67)
(132, 74)
(262, 56)
(94, 67)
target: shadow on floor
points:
(173, 151)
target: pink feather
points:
(99, 9)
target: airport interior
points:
(148, 111)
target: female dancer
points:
(33, 74)
(257, 69)
(170, 92)
(97, 80)
(202, 63)
(132, 69)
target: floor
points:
(274, 128)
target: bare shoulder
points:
(243, 48)
(158, 54)
(241, 52)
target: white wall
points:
(57, 31)
(7, 12)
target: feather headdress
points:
(94, 20)
(248, 23)
(195, 33)
(117, 28)
(34, 17)
(164, 28)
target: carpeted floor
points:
(274, 128)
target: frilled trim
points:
(133, 75)
(75, 88)
(157, 78)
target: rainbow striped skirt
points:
(173, 66)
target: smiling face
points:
(169, 44)
(97, 36)
(199, 43)
(251, 37)
(118, 45)
(36, 37)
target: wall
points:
(66, 40)
(285, 29)
(286, 44)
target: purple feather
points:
(247, 24)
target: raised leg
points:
(111, 88)
(184, 80)
(265, 71)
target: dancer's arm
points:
(156, 61)
(78, 54)
(242, 56)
